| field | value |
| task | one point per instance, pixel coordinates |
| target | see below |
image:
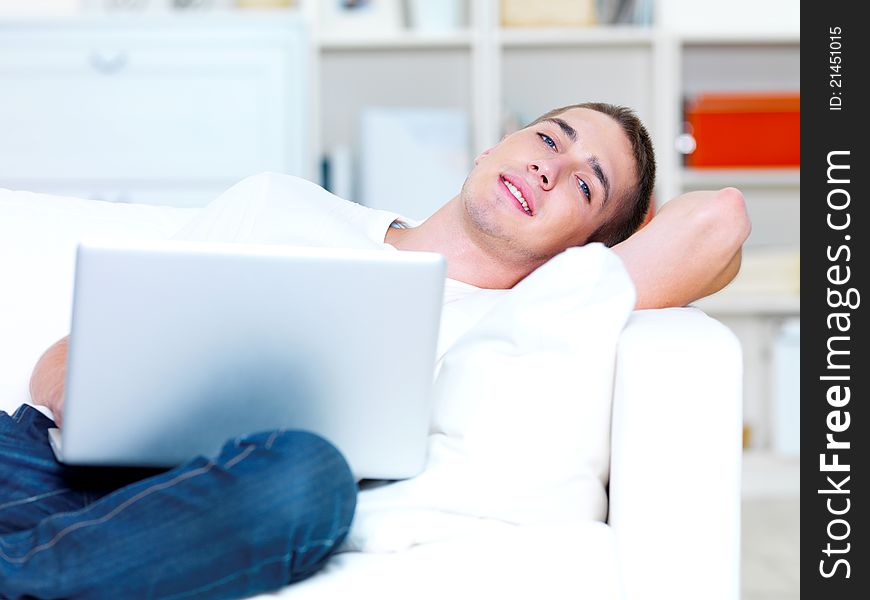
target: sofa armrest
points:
(676, 456)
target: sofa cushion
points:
(38, 237)
(499, 561)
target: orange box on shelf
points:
(745, 130)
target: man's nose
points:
(546, 170)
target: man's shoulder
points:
(271, 195)
(282, 185)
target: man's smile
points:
(516, 190)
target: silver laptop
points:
(176, 347)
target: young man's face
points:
(571, 173)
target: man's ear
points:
(482, 154)
(488, 150)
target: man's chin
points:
(485, 220)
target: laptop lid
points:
(176, 347)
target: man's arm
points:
(47, 380)
(691, 249)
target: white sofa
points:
(674, 495)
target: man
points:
(583, 172)
(271, 508)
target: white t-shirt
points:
(281, 209)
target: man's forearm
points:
(691, 249)
(726, 275)
(47, 380)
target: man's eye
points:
(585, 189)
(548, 140)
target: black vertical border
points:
(822, 131)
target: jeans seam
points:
(239, 457)
(32, 498)
(259, 565)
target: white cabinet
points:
(154, 110)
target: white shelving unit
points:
(560, 37)
(741, 178)
(743, 61)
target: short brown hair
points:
(635, 204)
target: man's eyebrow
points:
(602, 177)
(565, 127)
(593, 161)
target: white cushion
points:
(38, 237)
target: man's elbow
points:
(727, 211)
(728, 227)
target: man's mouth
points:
(518, 195)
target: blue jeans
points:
(269, 510)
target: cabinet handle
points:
(108, 64)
